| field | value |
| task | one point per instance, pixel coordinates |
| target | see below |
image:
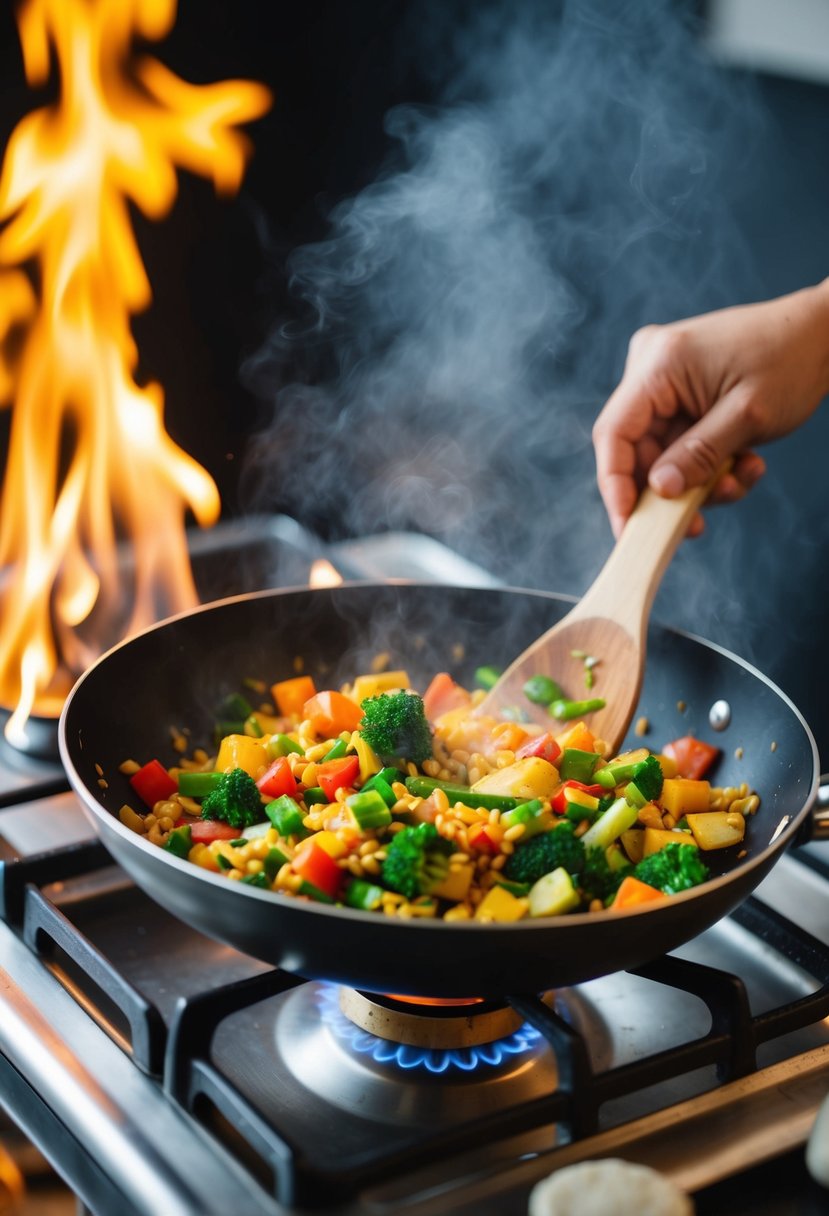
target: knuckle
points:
(703, 455)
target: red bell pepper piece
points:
(153, 783)
(277, 780)
(544, 746)
(692, 757)
(319, 868)
(485, 837)
(203, 831)
(332, 775)
(559, 802)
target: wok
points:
(175, 674)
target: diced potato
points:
(658, 838)
(636, 756)
(713, 831)
(240, 751)
(456, 884)
(374, 685)
(633, 842)
(532, 777)
(499, 905)
(682, 796)
(553, 894)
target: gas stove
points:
(161, 1072)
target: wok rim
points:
(778, 841)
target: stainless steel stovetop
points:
(161, 1072)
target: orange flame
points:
(89, 461)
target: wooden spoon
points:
(610, 623)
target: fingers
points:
(620, 439)
(727, 429)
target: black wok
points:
(173, 676)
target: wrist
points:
(820, 306)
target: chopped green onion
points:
(564, 710)
(337, 751)
(422, 787)
(280, 745)
(364, 895)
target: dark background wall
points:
(752, 224)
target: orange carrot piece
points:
(577, 736)
(290, 695)
(632, 892)
(442, 695)
(330, 713)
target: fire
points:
(90, 467)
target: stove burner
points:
(435, 1042)
(432, 1024)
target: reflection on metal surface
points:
(719, 715)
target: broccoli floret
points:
(647, 777)
(417, 860)
(544, 853)
(674, 868)
(236, 799)
(395, 726)
(597, 879)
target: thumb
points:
(704, 448)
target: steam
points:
(459, 329)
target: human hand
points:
(698, 392)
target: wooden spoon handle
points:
(627, 583)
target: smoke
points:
(458, 330)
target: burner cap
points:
(434, 1024)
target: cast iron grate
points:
(175, 1043)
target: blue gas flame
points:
(430, 1059)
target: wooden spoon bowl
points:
(610, 623)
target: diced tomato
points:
(290, 695)
(317, 867)
(485, 837)
(544, 746)
(204, 831)
(559, 802)
(153, 783)
(277, 780)
(330, 713)
(692, 757)
(442, 695)
(334, 774)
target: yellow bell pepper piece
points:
(240, 751)
(456, 884)
(500, 905)
(374, 685)
(369, 762)
(332, 844)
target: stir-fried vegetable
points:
(401, 805)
